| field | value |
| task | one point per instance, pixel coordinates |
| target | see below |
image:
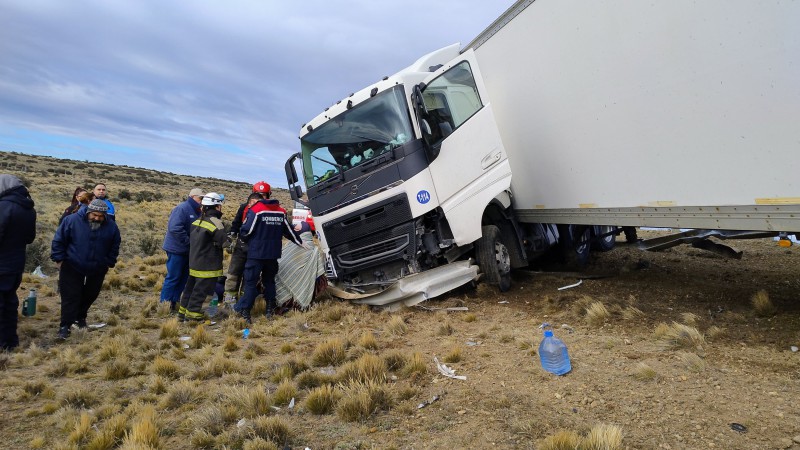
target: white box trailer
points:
(671, 114)
(562, 117)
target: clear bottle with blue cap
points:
(553, 353)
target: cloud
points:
(202, 87)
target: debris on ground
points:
(428, 402)
(446, 371)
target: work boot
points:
(244, 314)
(270, 308)
(63, 333)
(81, 323)
(173, 308)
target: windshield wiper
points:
(338, 166)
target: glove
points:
(306, 246)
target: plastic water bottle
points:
(29, 304)
(246, 333)
(553, 354)
(213, 306)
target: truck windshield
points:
(356, 136)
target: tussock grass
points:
(270, 428)
(632, 313)
(145, 431)
(311, 379)
(415, 366)
(692, 361)
(214, 418)
(368, 367)
(68, 362)
(281, 373)
(216, 367)
(678, 335)
(181, 393)
(201, 438)
(395, 360)
(37, 443)
(259, 444)
(603, 437)
(445, 329)
(762, 305)
(231, 344)
(82, 431)
(597, 314)
(248, 401)
(643, 372)
(396, 326)
(37, 389)
(284, 393)
(200, 337)
(562, 440)
(169, 329)
(453, 356)
(368, 341)
(110, 433)
(329, 353)
(166, 368)
(360, 400)
(689, 319)
(79, 398)
(469, 317)
(118, 369)
(715, 332)
(322, 400)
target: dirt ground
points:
(748, 374)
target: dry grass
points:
(368, 367)
(597, 314)
(368, 341)
(600, 437)
(329, 353)
(678, 336)
(562, 440)
(692, 361)
(469, 317)
(166, 368)
(284, 393)
(273, 429)
(200, 337)
(118, 369)
(453, 356)
(643, 372)
(762, 305)
(248, 401)
(415, 366)
(169, 329)
(321, 400)
(445, 329)
(689, 319)
(360, 400)
(145, 431)
(396, 326)
(714, 332)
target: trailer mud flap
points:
(416, 288)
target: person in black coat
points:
(17, 229)
(85, 246)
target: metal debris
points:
(571, 285)
(428, 402)
(446, 371)
(738, 427)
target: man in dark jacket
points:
(263, 229)
(85, 246)
(17, 229)
(176, 244)
(239, 254)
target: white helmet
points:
(212, 198)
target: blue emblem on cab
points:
(423, 196)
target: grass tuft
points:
(562, 440)
(395, 360)
(415, 366)
(396, 326)
(259, 444)
(632, 313)
(454, 356)
(169, 329)
(270, 428)
(284, 393)
(329, 353)
(166, 368)
(762, 305)
(644, 372)
(678, 335)
(692, 361)
(181, 393)
(144, 432)
(322, 400)
(200, 337)
(361, 400)
(603, 437)
(597, 314)
(368, 341)
(368, 367)
(118, 369)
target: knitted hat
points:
(97, 205)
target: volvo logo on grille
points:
(423, 196)
(354, 189)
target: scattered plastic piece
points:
(38, 272)
(473, 343)
(291, 403)
(185, 345)
(184, 338)
(571, 285)
(97, 325)
(246, 333)
(241, 423)
(428, 402)
(567, 327)
(738, 427)
(794, 348)
(446, 371)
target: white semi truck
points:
(562, 120)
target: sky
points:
(201, 87)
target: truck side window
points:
(450, 99)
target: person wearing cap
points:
(233, 282)
(17, 230)
(207, 240)
(263, 229)
(176, 244)
(85, 246)
(101, 192)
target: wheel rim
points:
(502, 258)
(607, 229)
(582, 240)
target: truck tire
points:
(606, 243)
(575, 245)
(493, 258)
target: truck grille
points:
(396, 243)
(372, 219)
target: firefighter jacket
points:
(207, 239)
(263, 228)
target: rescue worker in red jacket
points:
(239, 252)
(263, 229)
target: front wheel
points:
(575, 245)
(607, 242)
(493, 258)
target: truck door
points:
(470, 166)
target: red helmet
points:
(262, 187)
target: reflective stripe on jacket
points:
(207, 239)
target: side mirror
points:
(291, 172)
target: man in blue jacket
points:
(85, 246)
(176, 244)
(263, 229)
(17, 229)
